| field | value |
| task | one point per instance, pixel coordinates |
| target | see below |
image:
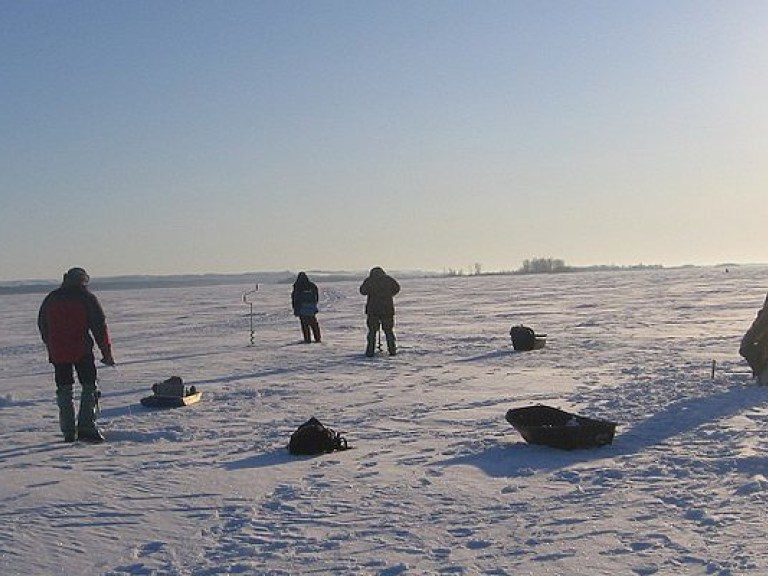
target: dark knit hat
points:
(76, 277)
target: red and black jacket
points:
(67, 318)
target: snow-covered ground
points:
(437, 482)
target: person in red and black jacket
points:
(69, 320)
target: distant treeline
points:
(556, 265)
(550, 266)
(543, 266)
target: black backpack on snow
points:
(313, 437)
(523, 337)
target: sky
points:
(233, 136)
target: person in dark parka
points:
(754, 345)
(380, 288)
(69, 320)
(304, 299)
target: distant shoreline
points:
(286, 277)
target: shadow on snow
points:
(272, 458)
(521, 459)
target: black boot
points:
(86, 418)
(66, 412)
(370, 349)
(391, 346)
(90, 435)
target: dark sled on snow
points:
(156, 401)
(171, 393)
(557, 428)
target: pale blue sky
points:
(230, 136)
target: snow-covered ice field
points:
(437, 482)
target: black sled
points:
(171, 393)
(557, 428)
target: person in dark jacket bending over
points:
(380, 289)
(754, 345)
(304, 298)
(69, 320)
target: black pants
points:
(85, 368)
(387, 324)
(86, 415)
(309, 323)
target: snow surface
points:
(437, 482)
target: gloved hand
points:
(108, 359)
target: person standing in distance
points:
(69, 320)
(304, 299)
(380, 288)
